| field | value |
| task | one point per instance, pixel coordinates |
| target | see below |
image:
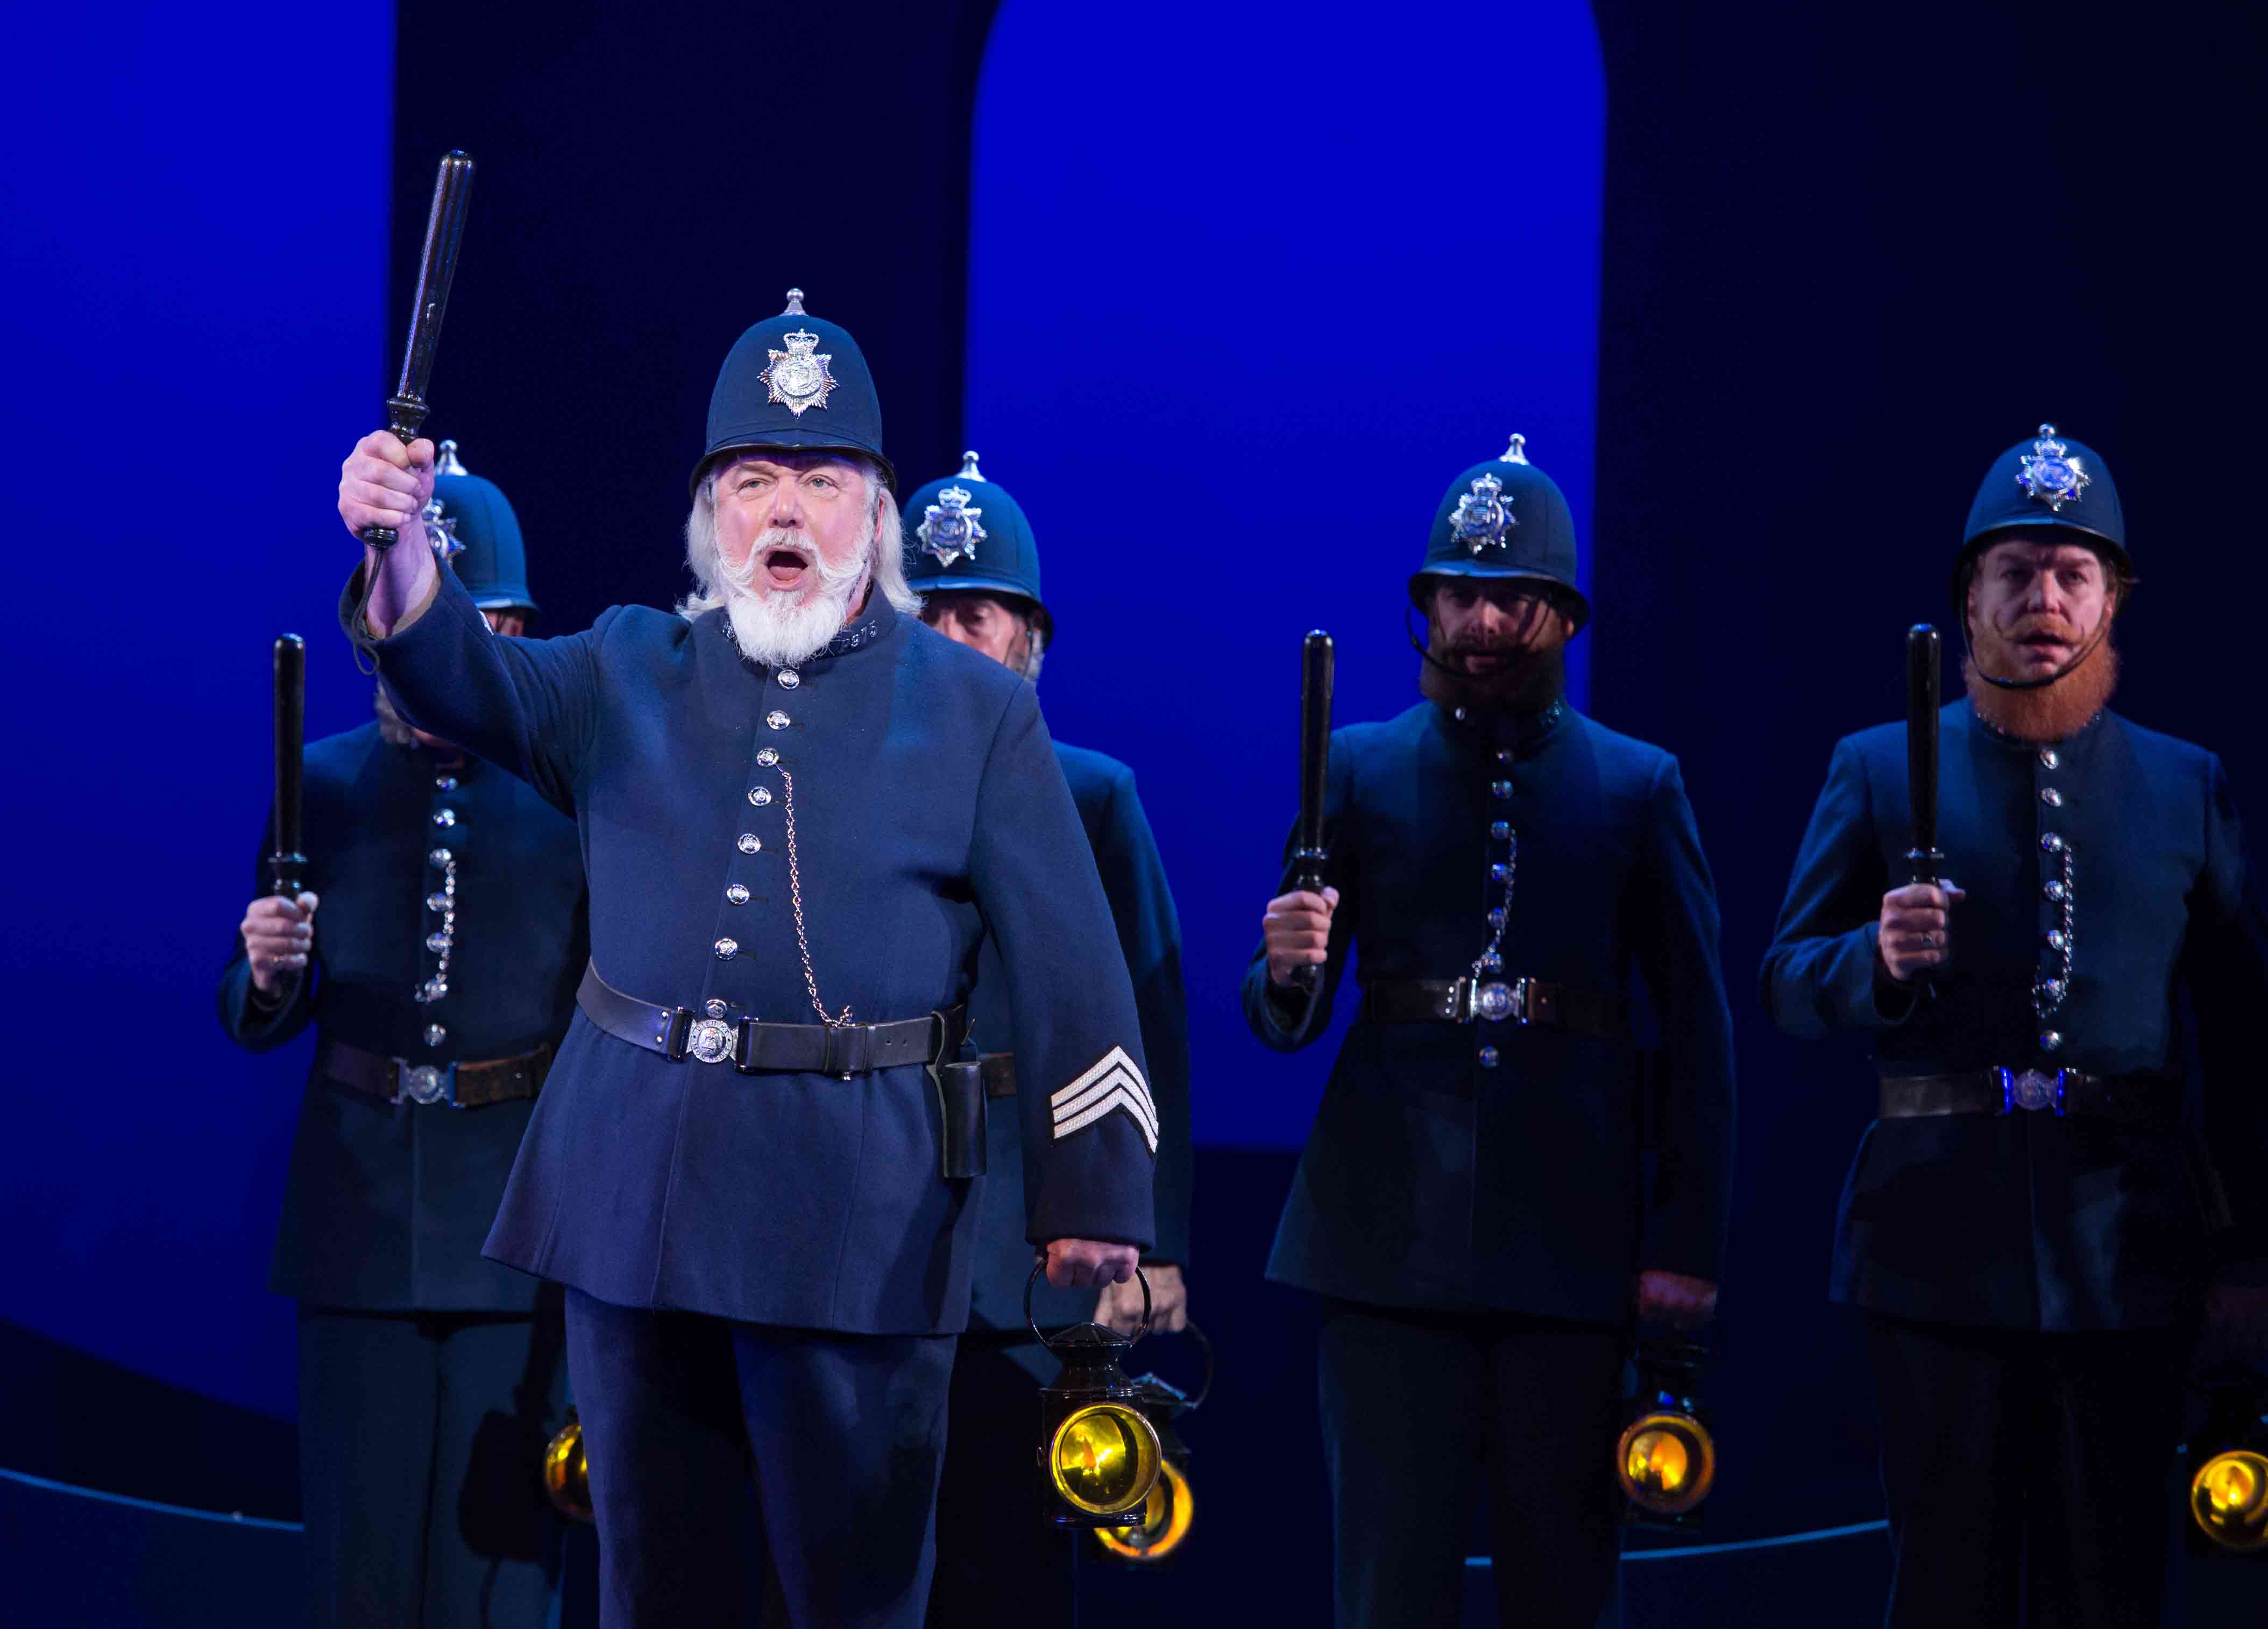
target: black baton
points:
(1308, 855)
(1921, 749)
(285, 863)
(445, 231)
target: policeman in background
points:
(440, 977)
(1470, 1203)
(2028, 1225)
(970, 554)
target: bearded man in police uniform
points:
(439, 978)
(973, 558)
(2029, 1226)
(796, 803)
(1470, 1203)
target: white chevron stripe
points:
(1133, 1083)
(1119, 1098)
(1115, 1058)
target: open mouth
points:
(786, 566)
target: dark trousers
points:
(1424, 1411)
(421, 1440)
(839, 1437)
(2026, 1473)
(996, 1561)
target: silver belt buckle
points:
(1497, 1001)
(711, 1040)
(2032, 1091)
(424, 1083)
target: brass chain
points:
(795, 901)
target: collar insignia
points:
(798, 378)
(949, 527)
(1483, 516)
(2050, 474)
(441, 529)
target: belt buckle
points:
(424, 1083)
(711, 1040)
(1498, 1001)
(2032, 1091)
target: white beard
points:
(768, 628)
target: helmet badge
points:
(1483, 516)
(2048, 475)
(949, 527)
(799, 377)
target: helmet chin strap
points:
(1969, 654)
(1435, 662)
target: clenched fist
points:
(384, 483)
(1297, 932)
(279, 935)
(1916, 927)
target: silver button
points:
(1491, 963)
(1500, 830)
(2051, 843)
(2052, 991)
(436, 942)
(750, 843)
(1500, 789)
(445, 783)
(737, 894)
(789, 678)
(714, 1007)
(727, 948)
(777, 719)
(445, 818)
(2057, 938)
(760, 795)
(435, 1035)
(1499, 873)
(2054, 890)
(436, 902)
(2048, 759)
(1488, 1058)
(1504, 755)
(768, 757)
(440, 857)
(1496, 917)
(2050, 1040)
(1460, 715)
(2050, 796)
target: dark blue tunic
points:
(1150, 936)
(929, 812)
(2026, 1220)
(387, 1204)
(1433, 1181)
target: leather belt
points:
(1511, 1001)
(2137, 1099)
(752, 1047)
(461, 1086)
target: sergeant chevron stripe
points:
(1113, 1083)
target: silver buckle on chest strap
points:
(424, 1083)
(2032, 1091)
(711, 1041)
(1494, 1002)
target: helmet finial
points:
(969, 468)
(794, 304)
(1517, 452)
(449, 463)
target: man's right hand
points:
(279, 934)
(382, 482)
(1297, 932)
(1916, 927)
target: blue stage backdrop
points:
(193, 266)
(1231, 333)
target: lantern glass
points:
(1104, 1459)
(1667, 1464)
(2228, 1499)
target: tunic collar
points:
(1518, 732)
(880, 620)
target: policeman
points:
(797, 804)
(973, 559)
(1470, 1204)
(439, 980)
(2028, 1226)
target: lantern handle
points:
(1032, 1283)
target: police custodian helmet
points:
(478, 535)
(1503, 518)
(965, 535)
(798, 384)
(2046, 482)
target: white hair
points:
(884, 552)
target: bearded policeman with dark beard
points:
(2033, 1224)
(796, 803)
(1471, 1204)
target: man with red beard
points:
(796, 803)
(1473, 1205)
(2033, 1226)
